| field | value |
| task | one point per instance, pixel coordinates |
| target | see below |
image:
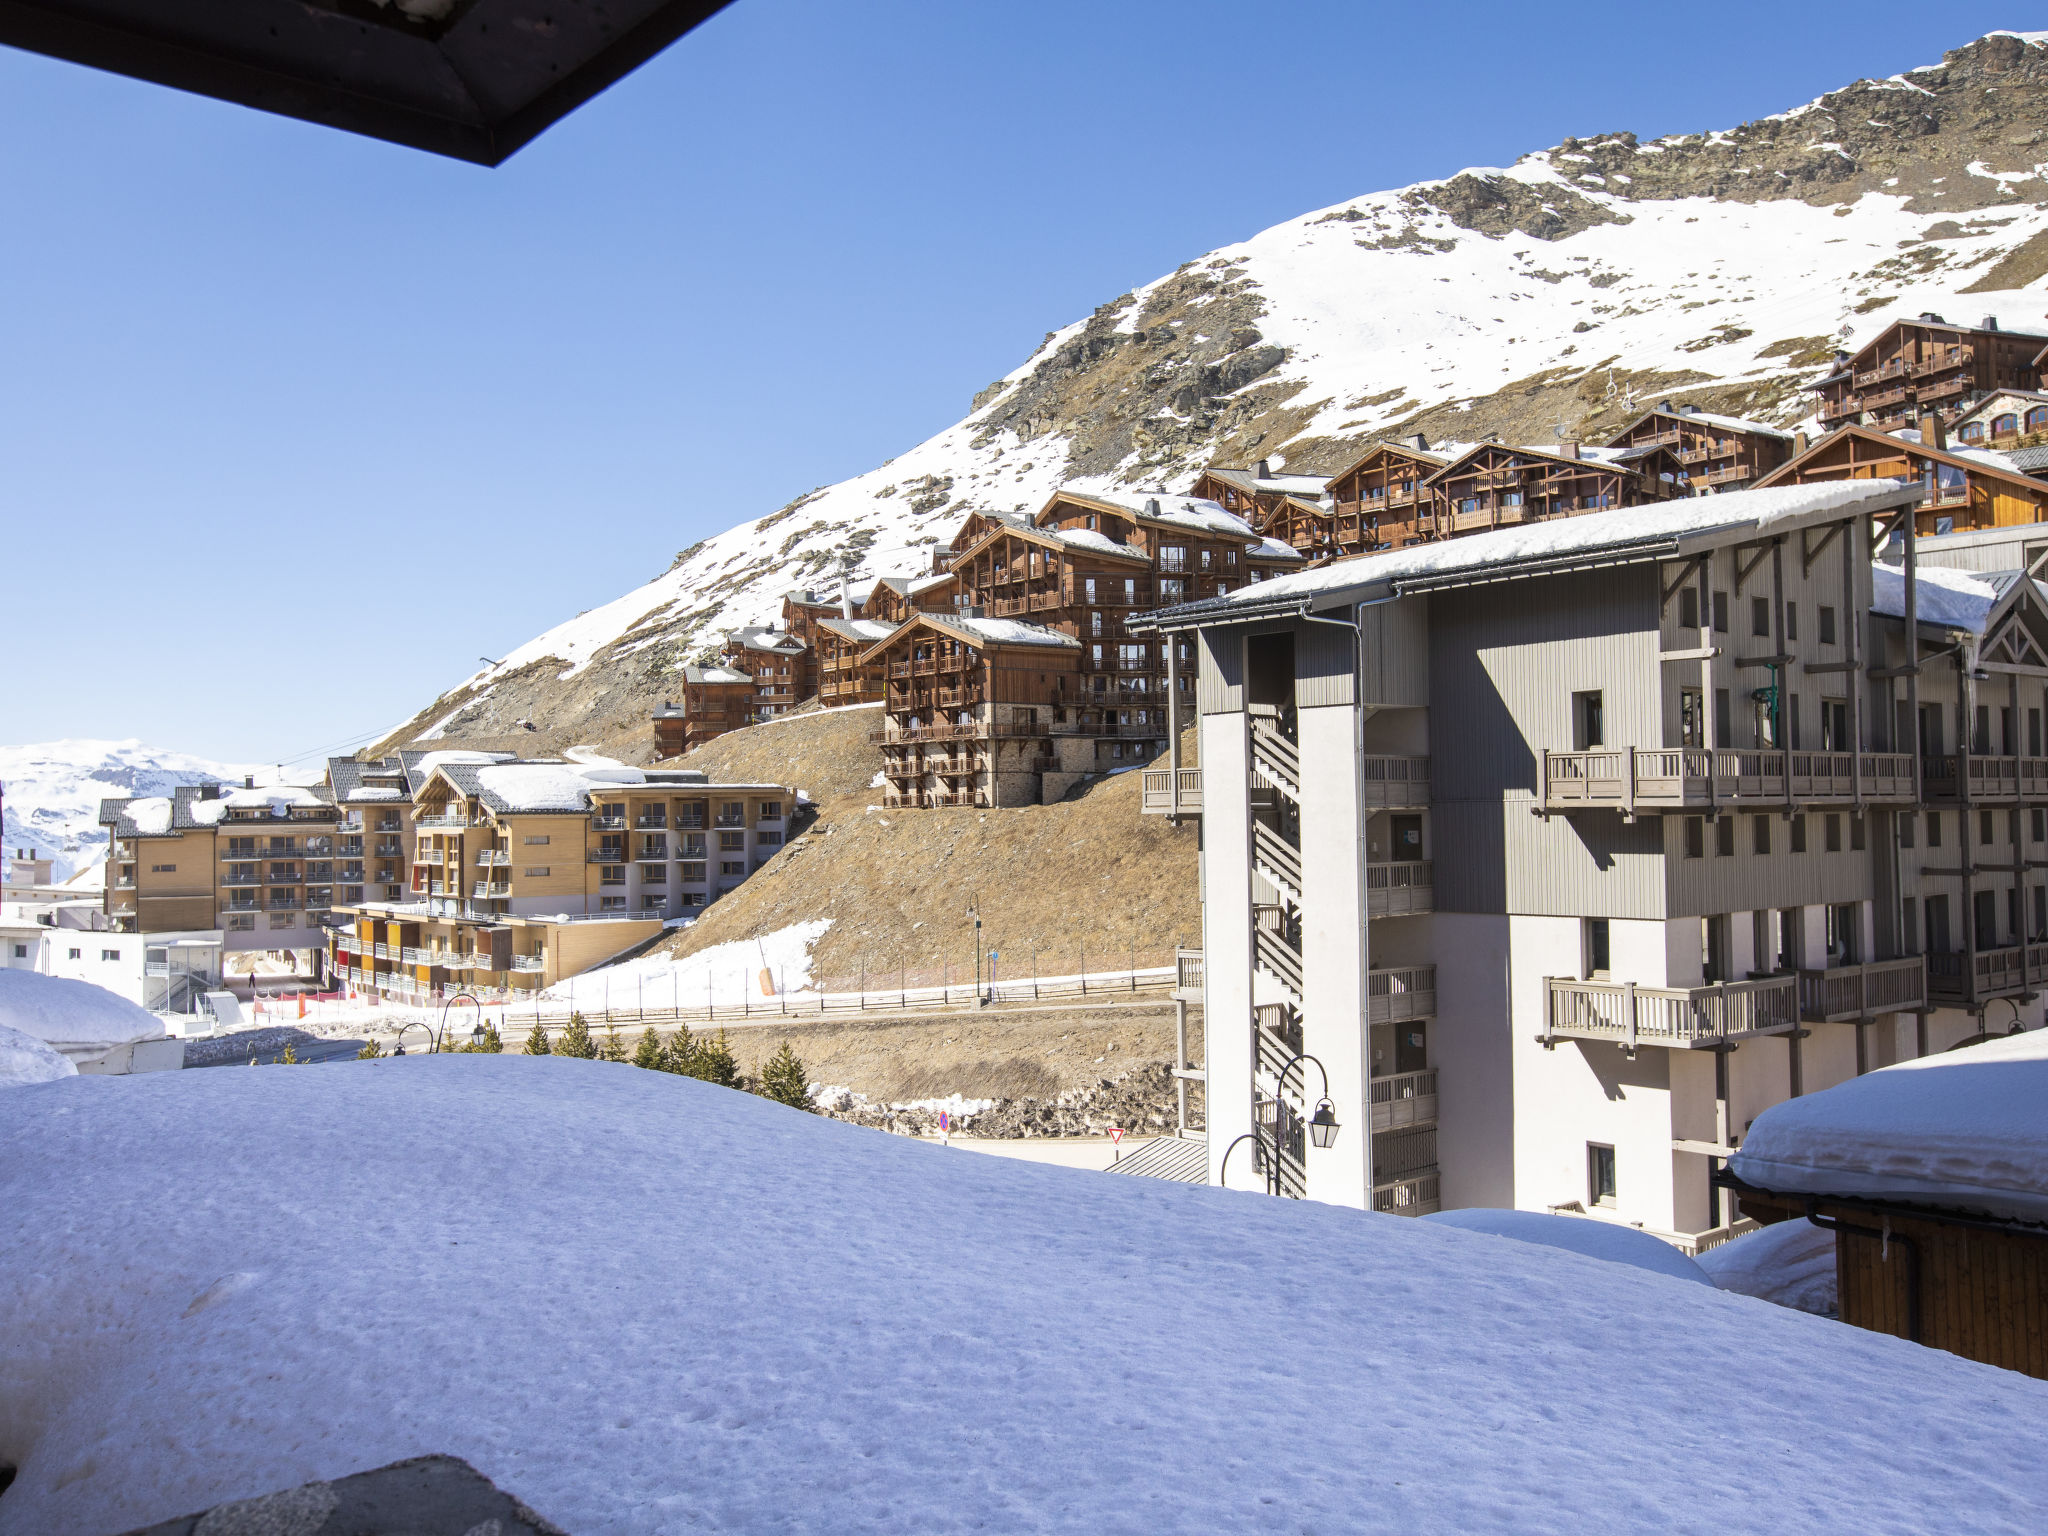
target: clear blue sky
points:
(295, 426)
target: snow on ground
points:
(25, 1059)
(1966, 1128)
(1791, 1263)
(1596, 1239)
(691, 1309)
(726, 975)
(66, 1012)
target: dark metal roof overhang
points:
(471, 79)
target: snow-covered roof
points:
(151, 815)
(1273, 549)
(778, 642)
(1689, 413)
(695, 674)
(927, 583)
(1079, 1354)
(1005, 631)
(1608, 1241)
(1095, 542)
(1170, 507)
(1624, 534)
(1965, 1129)
(1310, 486)
(565, 787)
(373, 792)
(1951, 598)
(61, 1012)
(865, 631)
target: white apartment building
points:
(1545, 860)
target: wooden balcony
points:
(1975, 977)
(1400, 889)
(1851, 992)
(1397, 994)
(1187, 975)
(1682, 1018)
(1652, 779)
(1965, 777)
(1420, 1195)
(1159, 797)
(1406, 1099)
(1395, 783)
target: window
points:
(731, 842)
(163, 869)
(2040, 913)
(693, 873)
(1760, 616)
(769, 839)
(1589, 727)
(110, 954)
(1598, 955)
(240, 922)
(1799, 834)
(1827, 626)
(611, 903)
(2005, 425)
(1599, 1175)
(771, 810)
(1724, 719)
(1844, 924)
(77, 954)
(1760, 834)
(536, 842)
(1724, 837)
(21, 951)
(1984, 828)
(732, 868)
(1689, 608)
(1934, 829)
(1695, 837)
(282, 920)
(612, 874)
(1791, 621)
(1721, 613)
(1831, 825)
(1909, 926)
(2040, 826)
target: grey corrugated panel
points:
(1396, 653)
(1323, 664)
(1746, 881)
(1167, 1157)
(1219, 683)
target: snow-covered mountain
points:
(1552, 298)
(53, 791)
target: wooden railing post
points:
(1628, 993)
(1631, 792)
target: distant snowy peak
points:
(1550, 299)
(53, 791)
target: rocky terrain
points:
(1551, 298)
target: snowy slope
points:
(647, 1304)
(1719, 267)
(54, 788)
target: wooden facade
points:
(2005, 418)
(971, 710)
(1379, 502)
(843, 678)
(783, 669)
(896, 598)
(1951, 1280)
(1500, 485)
(1706, 452)
(1256, 494)
(802, 610)
(713, 700)
(1309, 528)
(1968, 493)
(1925, 365)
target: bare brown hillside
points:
(1081, 881)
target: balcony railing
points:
(494, 857)
(606, 856)
(1631, 779)
(602, 823)
(440, 823)
(1987, 973)
(1395, 783)
(1965, 775)
(1400, 993)
(1862, 991)
(1417, 1196)
(1158, 791)
(1408, 1098)
(1681, 1017)
(1400, 889)
(651, 820)
(1187, 975)
(528, 962)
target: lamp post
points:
(1273, 1115)
(477, 1035)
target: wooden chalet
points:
(713, 700)
(1379, 502)
(840, 643)
(1309, 528)
(1914, 367)
(1708, 452)
(802, 610)
(780, 665)
(1962, 491)
(2005, 418)
(896, 598)
(975, 711)
(1499, 485)
(1256, 494)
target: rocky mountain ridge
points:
(1549, 299)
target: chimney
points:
(1688, 409)
(1664, 406)
(1152, 502)
(1570, 450)
(1931, 317)
(248, 781)
(1798, 444)
(1417, 441)
(1990, 322)
(1931, 433)
(1265, 471)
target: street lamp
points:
(1272, 1119)
(477, 1037)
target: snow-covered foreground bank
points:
(644, 1303)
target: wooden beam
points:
(1742, 571)
(1684, 575)
(1809, 554)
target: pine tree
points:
(715, 1064)
(492, 1044)
(537, 1041)
(648, 1052)
(576, 1039)
(680, 1055)
(612, 1050)
(370, 1052)
(784, 1080)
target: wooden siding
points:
(1983, 1295)
(1219, 685)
